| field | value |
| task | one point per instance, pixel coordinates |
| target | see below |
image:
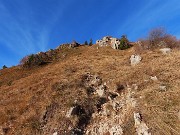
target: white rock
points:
(109, 41)
(146, 80)
(154, 78)
(100, 91)
(1, 131)
(135, 59)
(141, 127)
(137, 119)
(162, 88)
(104, 127)
(116, 130)
(165, 50)
(178, 115)
(135, 86)
(55, 133)
(68, 114)
(115, 43)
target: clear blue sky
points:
(30, 26)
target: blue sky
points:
(30, 26)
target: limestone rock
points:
(1, 131)
(135, 59)
(106, 128)
(101, 90)
(162, 88)
(154, 78)
(141, 127)
(104, 41)
(68, 114)
(178, 115)
(55, 133)
(165, 50)
(109, 41)
(115, 42)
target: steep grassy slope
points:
(36, 101)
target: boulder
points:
(55, 133)
(165, 50)
(154, 78)
(135, 59)
(162, 88)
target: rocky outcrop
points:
(94, 84)
(109, 41)
(74, 44)
(110, 119)
(104, 41)
(115, 42)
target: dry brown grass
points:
(24, 101)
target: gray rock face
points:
(165, 50)
(135, 59)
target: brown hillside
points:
(36, 101)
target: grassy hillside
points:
(36, 101)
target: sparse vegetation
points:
(157, 38)
(124, 43)
(4, 67)
(31, 61)
(156, 35)
(91, 42)
(85, 43)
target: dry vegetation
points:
(35, 101)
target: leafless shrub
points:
(171, 41)
(156, 35)
(157, 38)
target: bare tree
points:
(156, 35)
